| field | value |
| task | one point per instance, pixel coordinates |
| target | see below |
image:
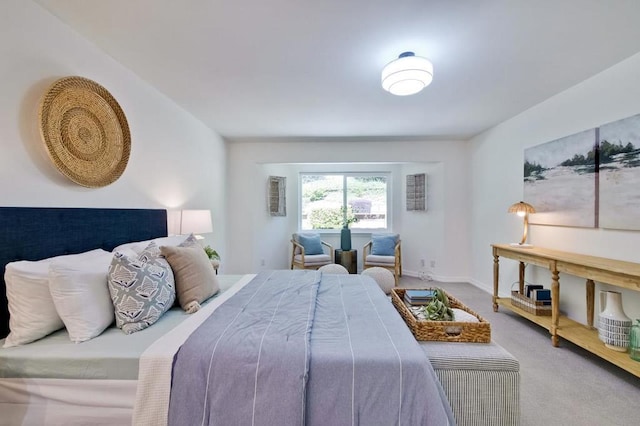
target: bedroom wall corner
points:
(497, 182)
(176, 161)
(250, 162)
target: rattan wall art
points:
(85, 132)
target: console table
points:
(615, 272)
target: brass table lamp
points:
(522, 209)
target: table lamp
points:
(522, 209)
(195, 222)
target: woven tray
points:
(85, 131)
(443, 331)
(535, 307)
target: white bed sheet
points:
(55, 401)
(66, 402)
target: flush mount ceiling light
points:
(407, 75)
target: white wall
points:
(175, 160)
(271, 229)
(496, 159)
(262, 237)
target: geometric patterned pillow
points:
(142, 288)
(191, 241)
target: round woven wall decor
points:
(85, 132)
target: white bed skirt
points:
(66, 402)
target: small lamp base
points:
(524, 246)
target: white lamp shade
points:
(407, 75)
(195, 222)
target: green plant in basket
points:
(438, 308)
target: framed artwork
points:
(560, 181)
(416, 192)
(277, 202)
(619, 199)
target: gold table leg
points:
(496, 272)
(555, 306)
(590, 298)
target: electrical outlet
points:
(433, 264)
(422, 262)
(262, 262)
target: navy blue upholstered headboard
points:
(37, 233)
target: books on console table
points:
(541, 295)
(530, 287)
(537, 293)
(535, 299)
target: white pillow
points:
(81, 296)
(135, 247)
(138, 246)
(32, 312)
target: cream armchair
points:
(385, 251)
(308, 251)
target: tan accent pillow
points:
(195, 278)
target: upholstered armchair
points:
(308, 251)
(385, 251)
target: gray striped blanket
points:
(303, 348)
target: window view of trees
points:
(332, 201)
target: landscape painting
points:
(620, 174)
(560, 179)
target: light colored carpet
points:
(559, 386)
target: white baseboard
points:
(441, 278)
(448, 279)
(481, 286)
(488, 288)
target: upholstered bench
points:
(481, 380)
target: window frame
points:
(345, 175)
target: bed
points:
(315, 347)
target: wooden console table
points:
(609, 271)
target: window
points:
(330, 199)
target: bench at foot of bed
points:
(481, 380)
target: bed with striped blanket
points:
(293, 348)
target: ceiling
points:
(303, 69)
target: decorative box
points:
(536, 307)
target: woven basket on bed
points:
(443, 331)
